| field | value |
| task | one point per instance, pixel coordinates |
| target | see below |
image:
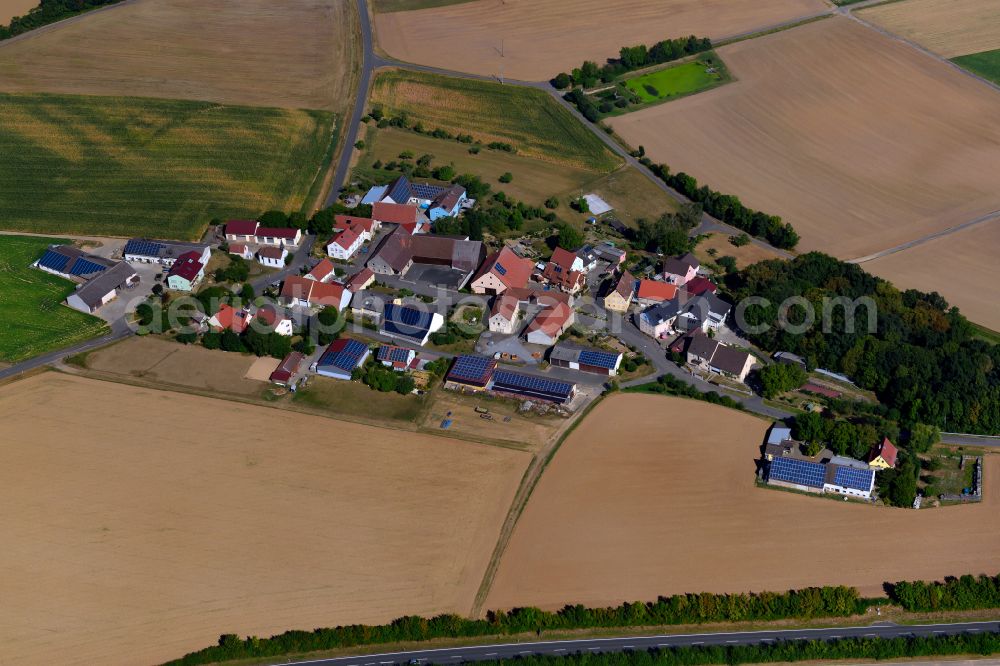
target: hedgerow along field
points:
(149, 167)
(33, 319)
(526, 118)
(706, 71)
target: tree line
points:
(49, 11)
(631, 58)
(676, 609)
(921, 358)
(962, 593)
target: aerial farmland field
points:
(529, 119)
(953, 28)
(540, 39)
(33, 319)
(975, 289)
(11, 8)
(656, 495)
(678, 80)
(159, 168)
(155, 515)
(301, 55)
(859, 141)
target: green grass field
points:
(33, 319)
(985, 64)
(529, 119)
(679, 80)
(160, 168)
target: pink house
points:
(679, 270)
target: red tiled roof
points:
(357, 280)
(187, 266)
(551, 320)
(562, 277)
(242, 227)
(269, 315)
(346, 238)
(626, 283)
(515, 271)
(699, 285)
(230, 318)
(326, 293)
(297, 287)
(357, 224)
(505, 305)
(287, 233)
(237, 248)
(887, 450)
(395, 213)
(289, 366)
(322, 270)
(654, 290)
(563, 257)
(271, 252)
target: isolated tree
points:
(570, 238)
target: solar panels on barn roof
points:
(599, 359)
(800, 472)
(344, 354)
(143, 248)
(471, 369)
(532, 386)
(54, 261)
(82, 267)
(393, 354)
(849, 477)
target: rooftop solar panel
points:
(800, 472)
(470, 368)
(85, 267)
(393, 354)
(54, 261)
(599, 359)
(500, 269)
(849, 477)
(407, 316)
(425, 191)
(143, 248)
(506, 380)
(346, 358)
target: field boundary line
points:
(69, 19)
(992, 216)
(532, 475)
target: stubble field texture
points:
(540, 39)
(528, 119)
(975, 289)
(911, 150)
(294, 54)
(141, 166)
(33, 319)
(11, 8)
(952, 28)
(656, 495)
(140, 525)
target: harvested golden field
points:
(860, 142)
(140, 525)
(953, 28)
(294, 54)
(11, 8)
(540, 39)
(974, 287)
(656, 495)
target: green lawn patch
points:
(33, 319)
(985, 64)
(524, 121)
(151, 167)
(706, 71)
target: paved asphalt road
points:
(299, 260)
(459, 655)
(119, 330)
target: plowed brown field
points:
(974, 288)
(11, 8)
(139, 525)
(543, 37)
(859, 141)
(293, 54)
(656, 495)
(952, 28)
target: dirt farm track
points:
(543, 37)
(139, 525)
(656, 495)
(910, 149)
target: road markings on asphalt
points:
(869, 634)
(698, 643)
(491, 654)
(732, 641)
(938, 631)
(629, 647)
(836, 636)
(559, 650)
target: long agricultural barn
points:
(533, 388)
(471, 371)
(597, 361)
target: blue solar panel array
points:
(393, 354)
(85, 267)
(500, 269)
(143, 248)
(475, 369)
(504, 380)
(599, 359)
(858, 479)
(53, 261)
(797, 471)
(346, 358)
(426, 191)
(406, 322)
